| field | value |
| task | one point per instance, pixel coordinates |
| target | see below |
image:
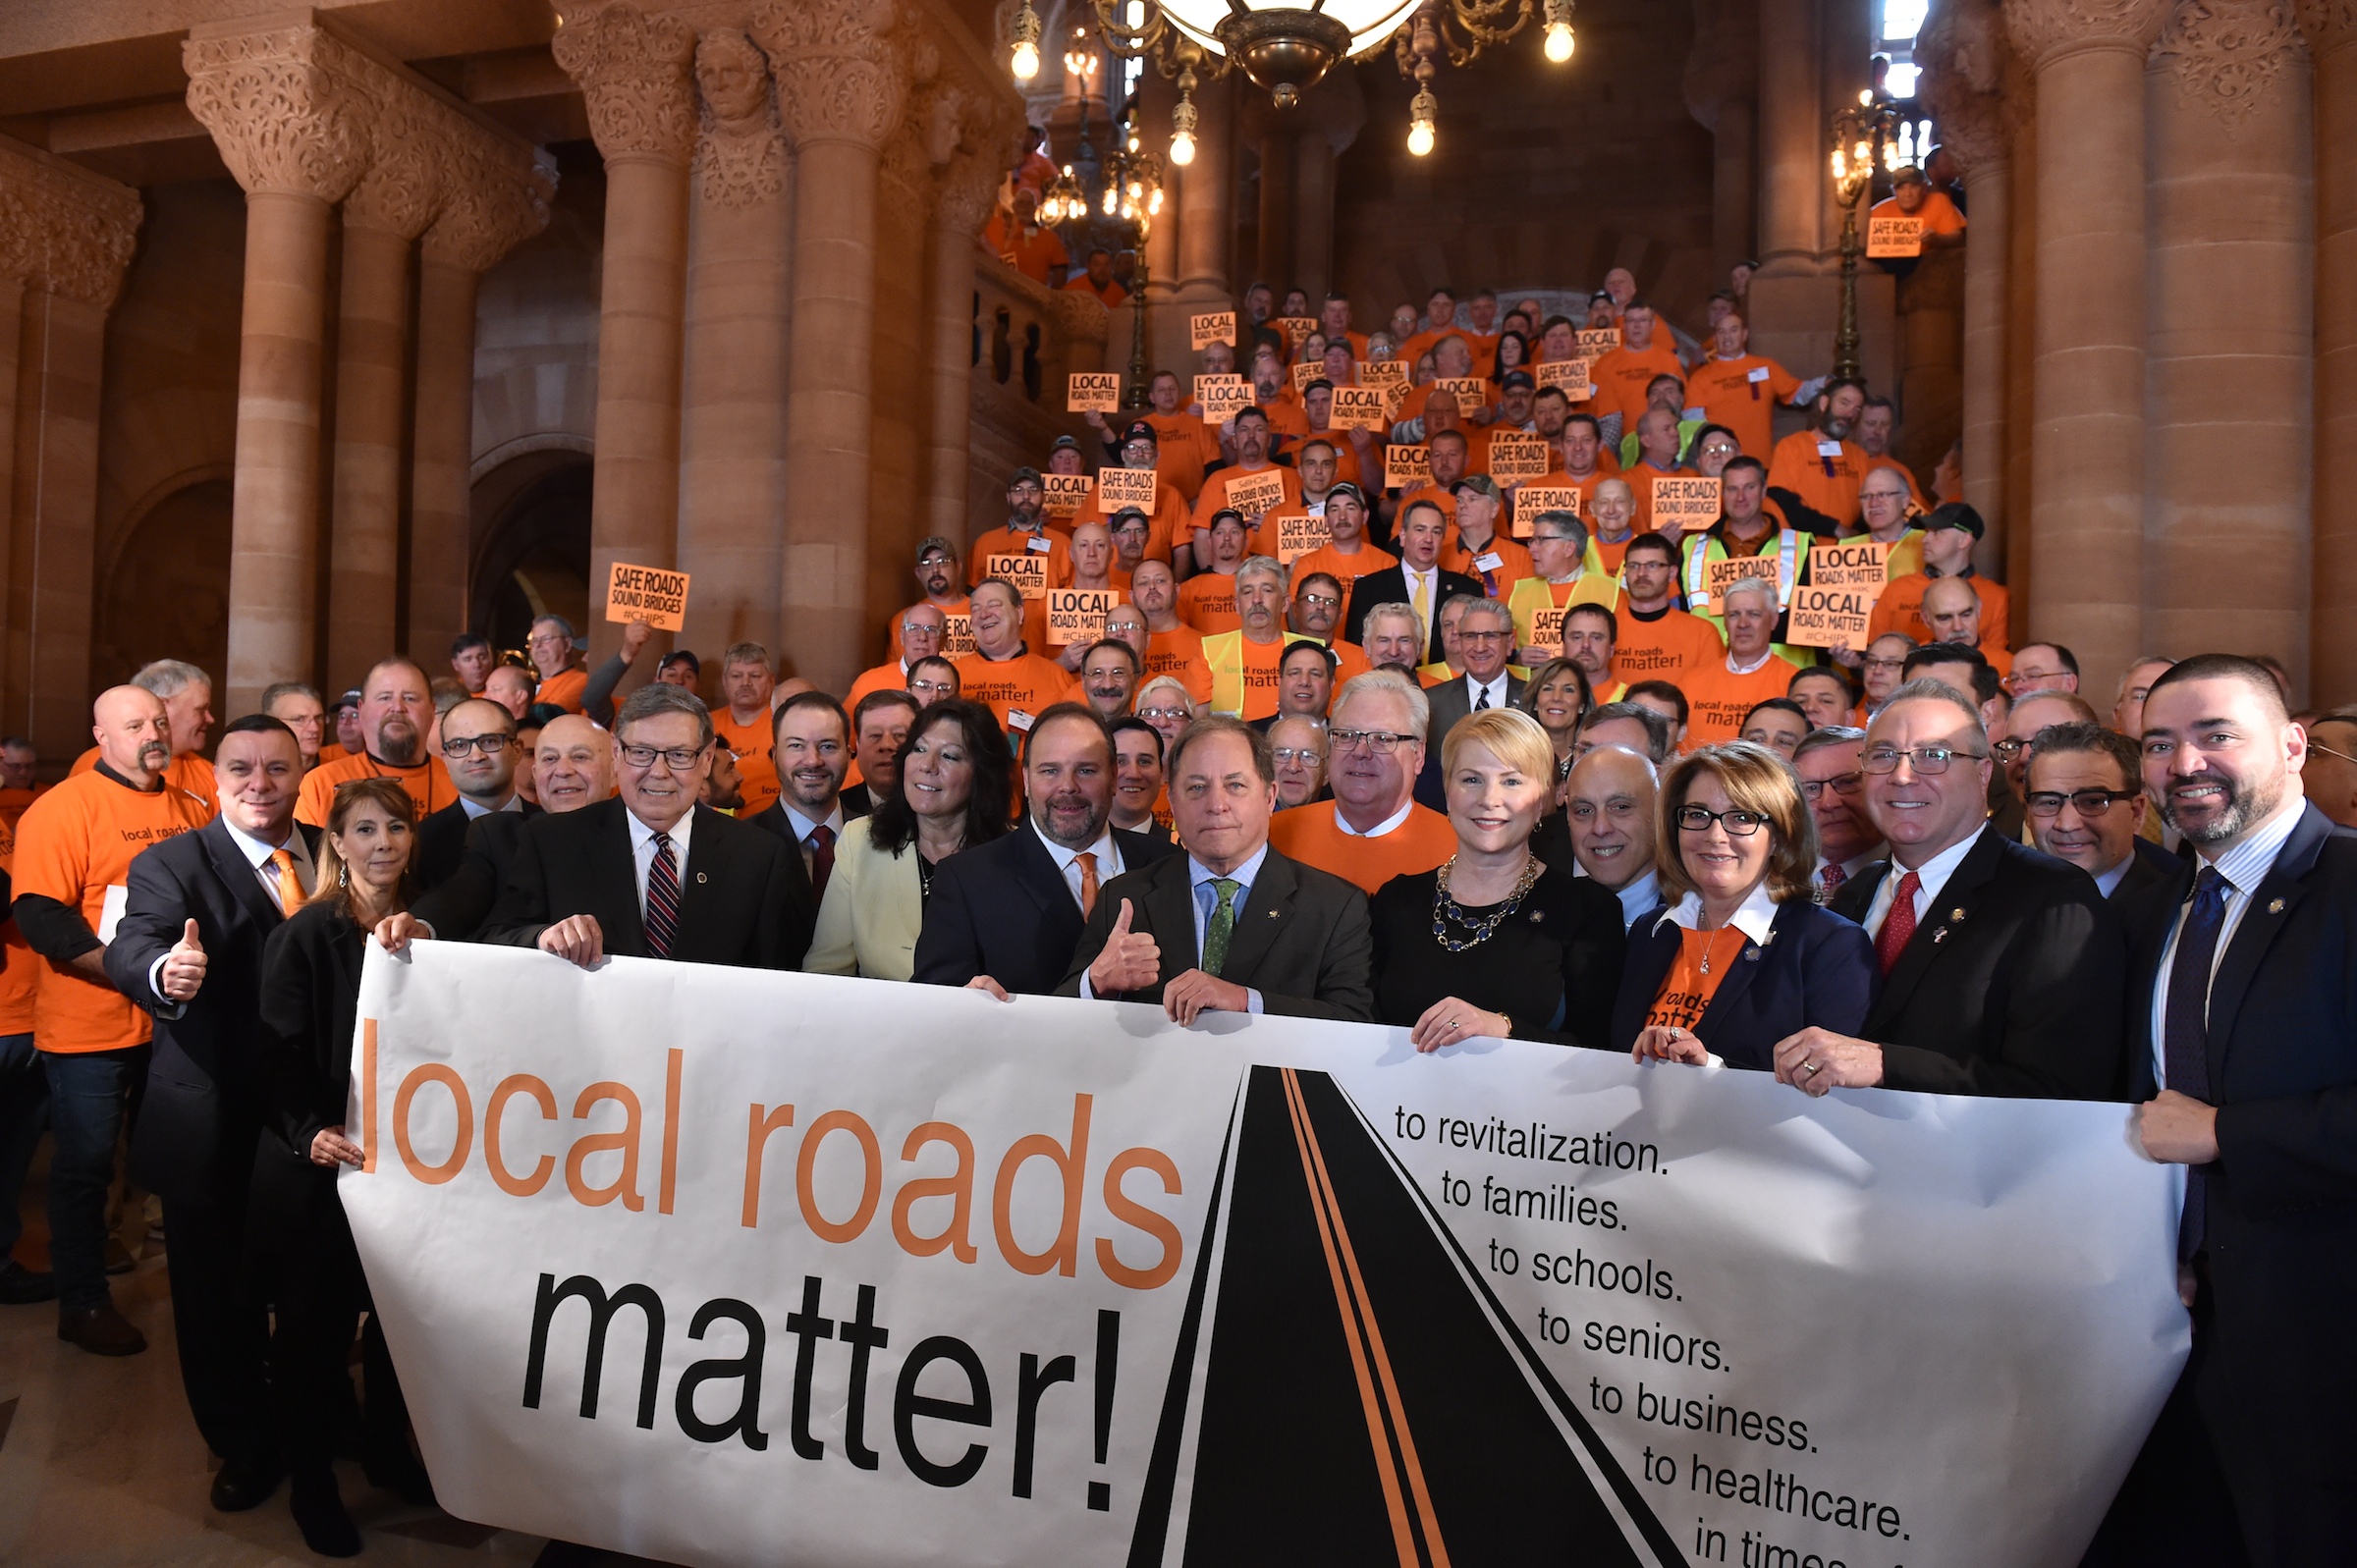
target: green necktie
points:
(1222, 925)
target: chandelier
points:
(1286, 49)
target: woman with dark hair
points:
(1741, 956)
(1557, 695)
(310, 995)
(1513, 353)
(956, 788)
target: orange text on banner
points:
(649, 594)
(1829, 617)
(1077, 615)
(1127, 487)
(1027, 572)
(1684, 501)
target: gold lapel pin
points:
(1955, 914)
(1271, 914)
(2276, 907)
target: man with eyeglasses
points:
(1485, 643)
(1167, 530)
(2004, 970)
(931, 680)
(1316, 611)
(1564, 574)
(549, 643)
(2022, 723)
(1741, 390)
(921, 630)
(1887, 503)
(1608, 808)
(479, 747)
(2084, 790)
(1883, 672)
(2330, 775)
(1653, 640)
(1833, 780)
(1374, 830)
(1298, 743)
(2043, 667)
(941, 582)
(651, 874)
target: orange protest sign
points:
(1404, 466)
(649, 594)
(1093, 392)
(1547, 627)
(1684, 501)
(1255, 493)
(1127, 487)
(1077, 615)
(1532, 500)
(957, 637)
(1308, 371)
(1594, 340)
(1213, 326)
(1361, 408)
(1296, 330)
(1470, 392)
(1028, 571)
(1829, 617)
(1891, 238)
(1720, 575)
(1221, 396)
(1860, 564)
(1516, 455)
(1574, 376)
(1300, 534)
(1066, 493)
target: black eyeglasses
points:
(2007, 749)
(490, 746)
(1847, 784)
(1380, 741)
(1929, 761)
(1738, 824)
(680, 758)
(2047, 803)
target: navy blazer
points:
(1815, 968)
(1003, 909)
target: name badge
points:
(1016, 719)
(1316, 509)
(1694, 414)
(1828, 449)
(1761, 374)
(1488, 562)
(1041, 544)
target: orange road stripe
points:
(1383, 1361)
(1403, 1535)
(367, 1094)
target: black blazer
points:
(2143, 893)
(1816, 968)
(1390, 587)
(733, 906)
(456, 908)
(310, 1004)
(442, 840)
(801, 898)
(1003, 909)
(1302, 939)
(2012, 984)
(1450, 704)
(203, 1108)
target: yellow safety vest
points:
(1534, 594)
(1224, 651)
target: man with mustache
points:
(397, 707)
(186, 693)
(74, 845)
(1824, 467)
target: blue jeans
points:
(24, 1097)
(89, 1094)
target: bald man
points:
(2329, 776)
(1953, 610)
(1609, 810)
(573, 766)
(479, 747)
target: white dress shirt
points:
(257, 855)
(1389, 824)
(1931, 876)
(2244, 867)
(1755, 916)
(643, 851)
(1474, 688)
(804, 826)
(1067, 861)
(476, 811)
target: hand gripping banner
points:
(724, 1267)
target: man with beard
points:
(1824, 467)
(1026, 532)
(1244, 662)
(2243, 1049)
(396, 705)
(74, 845)
(1004, 916)
(941, 582)
(814, 754)
(478, 748)
(1172, 647)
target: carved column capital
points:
(2230, 56)
(638, 80)
(491, 206)
(63, 229)
(1965, 59)
(966, 190)
(739, 146)
(2046, 30)
(403, 188)
(2331, 25)
(286, 107)
(838, 69)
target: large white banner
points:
(722, 1266)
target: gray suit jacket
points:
(1450, 702)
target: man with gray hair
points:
(651, 874)
(1395, 639)
(557, 659)
(1373, 830)
(299, 708)
(1244, 663)
(1485, 639)
(1559, 548)
(186, 693)
(1718, 696)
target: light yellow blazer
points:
(867, 923)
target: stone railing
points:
(1027, 340)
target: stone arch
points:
(164, 591)
(531, 543)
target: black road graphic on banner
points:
(1360, 1404)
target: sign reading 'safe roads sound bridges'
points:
(725, 1266)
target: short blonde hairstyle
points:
(1755, 778)
(1511, 736)
(1178, 688)
(1389, 682)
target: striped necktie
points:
(662, 898)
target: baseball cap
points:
(1140, 430)
(1956, 514)
(1517, 378)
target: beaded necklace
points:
(1446, 910)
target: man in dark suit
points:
(479, 746)
(1005, 917)
(2244, 1051)
(1417, 581)
(1484, 640)
(814, 754)
(1230, 926)
(2001, 967)
(2083, 789)
(879, 728)
(652, 874)
(189, 948)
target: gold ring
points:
(1812, 1068)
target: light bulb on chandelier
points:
(1560, 41)
(1420, 113)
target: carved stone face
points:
(943, 133)
(734, 74)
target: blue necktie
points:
(2185, 1026)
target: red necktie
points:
(1828, 882)
(1898, 924)
(822, 857)
(662, 898)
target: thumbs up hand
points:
(1132, 959)
(183, 966)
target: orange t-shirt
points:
(1743, 394)
(1178, 652)
(1344, 569)
(1033, 255)
(752, 743)
(1938, 214)
(1287, 419)
(1900, 610)
(1207, 602)
(1025, 682)
(1260, 660)
(1111, 296)
(1513, 564)
(564, 689)
(1703, 960)
(1183, 447)
(76, 844)
(1009, 542)
(1620, 378)
(1670, 647)
(189, 772)
(891, 637)
(428, 784)
(22, 976)
(1313, 835)
(1719, 698)
(13, 802)
(1214, 496)
(1349, 659)
(1828, 483)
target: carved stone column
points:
(2231, 204)
(637, 77)
(382, 216)
(961, 202)
(2331, 28)
(733, 421)
(2087, 518)
(1965, 59)
(840, 88)
(1722, 89)
(1207, 191)
(66, 237)
(1791, 141)
(496, 200)
(285, 108)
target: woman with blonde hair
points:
(1741, 956)
(1496, 943)
(311, 1000)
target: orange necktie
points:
(1088, 882)
(290, 886)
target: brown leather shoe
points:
(100, 1330)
